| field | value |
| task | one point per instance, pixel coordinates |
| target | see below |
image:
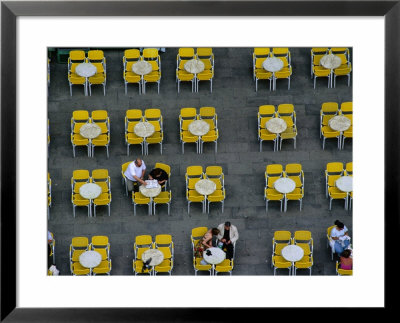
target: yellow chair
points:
(153, 77)
(104, 268)
(163, 198)
(132, 117)
(193, 197)
(97, 79)
(284, 73)
(278, 262)
(336, 194)
(75, 58)
(287, 113)
(103, 199)
(217, 196)
(349, 169)
(205, 55)
(156, 138)
(101, 141)
(304, 263)
(132, 139)
(77, 140)
(208, 115)
(351, 199)
(142, 243)
(343, 272)
(346, 107)
(281, 52)
(211, 136)
(153, 115)
(131, 56)
(304, 240)
(186, 138)
(151, 54)
(272, 173)
(186, 116)
(289, 133)
(78, 270)
(78, 246)
(265, 135)
(260, 73)
(271, 194)
(265, 112)
(96, 57)
(79, 118)
(206, 75)
(101, 245)
(328, 111)
(193, 175)
(78, 200)
(295, 173)
(164, 243)
(342, 71)
(101, 178)
(316, 54)
(259, 53)
(197, 266)
(184, 54)
(196, 235)
(79, 178)
(328, 133)
(215, 174)
(296, 195)
(183, 76)
(225, 266)
(165, 267)
(139, 199)
(332, 172)
(347, 134)
(101, 119)
(280, 240)
(320, 71)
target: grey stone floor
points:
(236, 104)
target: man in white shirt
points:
(135, 174)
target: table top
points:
(292, 253)
(85, 69)
(150, 192)
(273, 64)
(276, 125)
(143, 129)
(194, 66)
(345, 183)
(339, 123)
(198, 127)
(330, 61)
(90, 259)
(284, 185)
(142, 68)
(90, 130)
(217, 255)
(90, 191)
(205, 187)
(156, 256)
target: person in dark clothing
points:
(228, 235)
(160, 175)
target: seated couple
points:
(226, 233)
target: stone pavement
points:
(236, 104)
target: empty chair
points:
(205, 55)
(142, 243)
(289, 133)
(104, 268)
(153, 77)
(75, 58)
(295, 173)
(260, 73)
(215, 174)
(96, 57)
(164, 243)
(346, 107)
(79, 118)
(198, 266)
(78, 270)
(304, 240)
(259, 53)
(103, 199)
(78, 246)
(217, 196)
(265, 113)
(193, 197)
(163, 198)
(278, 262)
(101, 245)
(332, 172)
(226, 266)
(151, 54)
(211, 136)
(336, 194)
(184, 55)
(139, 199)
(304, 263)
(316, 54)
(280, 240)
(265, 135)
(287, 113)
(272, 173)
(193, 175)
(101, 141)
(328, 111)
(271, 194)
(349, 169)
(131, 56)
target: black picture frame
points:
(10, 10)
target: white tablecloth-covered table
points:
(90, 259)
(339, 123)
(156, 256)
(198, 128)
(273, 64)
(150, 192)
(331, 62)
(284, 185)
(216, 257)
(86, 70)
(345, 184)
(194, 66)
(292, 253)
(90, 191)
(205, 187)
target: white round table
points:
(345, 184)
(90, 259)
(198, 128)
(86, 70)
(150, 192)
(273, 64)
(205, 187)
(142, 68)
(156, 256)
(216, 257)
(276, 125)
(144, 130)
(194, 66)
(292, 253)
(90, 191)
(284, 185)
(331, 62)
(339, 123)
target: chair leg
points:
(330, 204)
(94, 209)
(211, 85)
(127, 150)
(70, 89)
(90, 89)
(256, 84)
(315, 78)
(288, 83)
(73, 209)
(125, 88)
(260, 145)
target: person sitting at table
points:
(160, 175)
(340, 237)
(228, 234)
(346, 262)
(135, 174)
(210, 238)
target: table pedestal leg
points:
(340, 140)
(86, 86)
(90, 208)
(331, 78)
(285, 204)
(150, 206)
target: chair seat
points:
(131, 77)
(266, 135)
(132, 138)
(103, 268)
(335, 193)
(273, 195)
(328, 132)
(193, 196)
(76, 254)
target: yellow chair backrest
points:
(132, 53)
(282, 236)
(164, 167)
(207, 112)
(80, 175)
(335, 167)
(302, 235)
(99, 240)
(285, 108)
(266, 110)
(99, 174)
(261, 51)
(150, 53)
(188, 112)
(199, 232)
(163, 239)
(329, 107)
(213, 170)
(95, 55)
(293, 168)
(80, 242)
(186, 52)
(77, 55)
(143, 240)
(274, 169)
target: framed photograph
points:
(37, 38)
